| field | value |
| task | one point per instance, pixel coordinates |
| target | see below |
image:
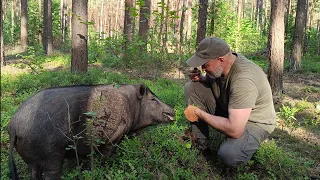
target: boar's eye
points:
(155, 99)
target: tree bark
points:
(212, 15)
(318, 27)
(202, 20)
(40, 39)
(311, 14)
(79, 59)
(295, 59)
(12, 19)
(260, 14)
(252, 10)
(239, 10)
(182, 23)
(306, 39)
(287, 16)
(47, 30)
(265, 16)
(276, 46)
(62, 19)
(165, 38)
(161, 22)
(189, 20)
(144, 25)
(24, 24)
(101, 19)
(2, 58)
(127, 29)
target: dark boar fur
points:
(48, 122)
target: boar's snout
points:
(169, 115)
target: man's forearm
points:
(220, 123)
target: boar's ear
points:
(142, 91)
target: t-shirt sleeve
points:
(243, 94)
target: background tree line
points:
(163, 34)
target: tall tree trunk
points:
(182, 23)
(62, 19)
(47, 39)
(295, 59)
(202, 20)
(127, 29)
(252, 10)
(117, 14)
(161, 22)
(276, 46)
(239, 23)
(287, 16)
(40, 39)
(24, 24)
(144, 25)
(69, 20)
(2, 58)
(306, 39)
(265, 16)
(165, 38)
(101, 19)
(212, 15)
(256, 17)
(259, 14)
(318, 27)
(79, 59)
(189, 25)
(134, 21)
(12, 19)
(311, 14)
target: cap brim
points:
(196, 61)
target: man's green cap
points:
(208, 48)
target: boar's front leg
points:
(36, 172)
(52, 169)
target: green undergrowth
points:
(157, 152)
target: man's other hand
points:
(189, 112)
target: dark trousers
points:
(232, 151)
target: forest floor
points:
(297, 87)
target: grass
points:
(163, 151)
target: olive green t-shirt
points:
(247, 87)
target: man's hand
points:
(194, 74)
(189, 112)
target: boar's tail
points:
(12, 165)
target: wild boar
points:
(55, 119)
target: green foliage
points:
(310, 63)
(287, 115)
(248, 39)
(280, 164)
(9, 38)
(313, 40)
(35, 23)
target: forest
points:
(56, 43)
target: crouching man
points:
(234, 97)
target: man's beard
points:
(216, 73)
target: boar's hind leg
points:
(53, 169)
(36, 172)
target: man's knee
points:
(233, 156)
(229, 157)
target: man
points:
(233, 97)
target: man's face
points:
(213, 68)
